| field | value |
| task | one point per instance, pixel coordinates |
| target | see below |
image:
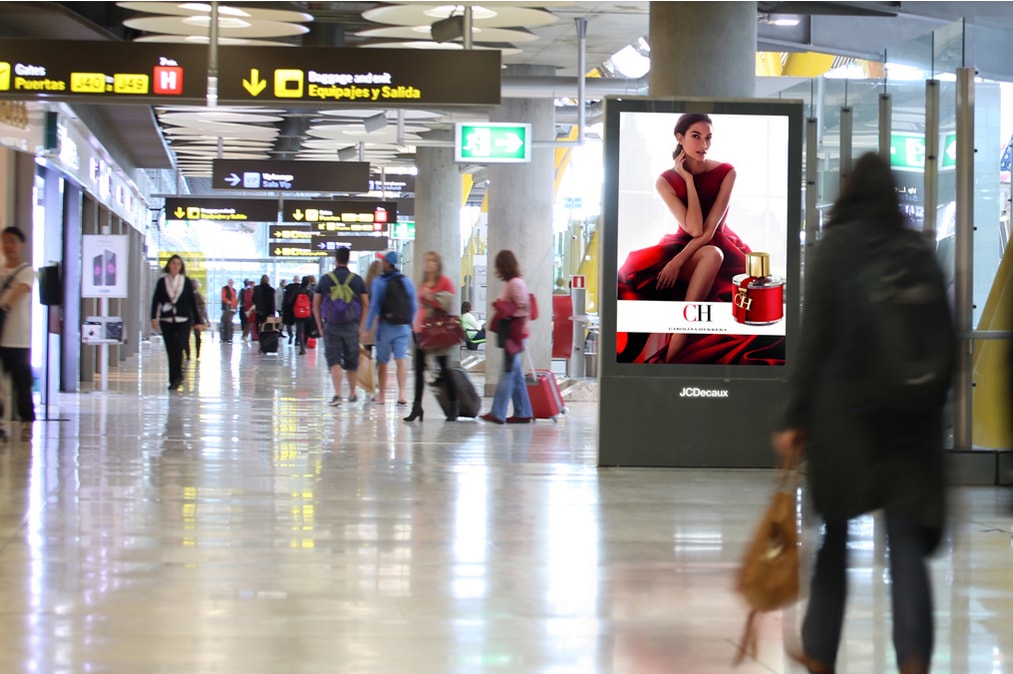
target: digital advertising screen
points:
(705, 217)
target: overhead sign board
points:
(341, 216)
(108, 72)
(328, 243)
(221, 210)
(156, 73)
(289, 233)
(492, 143)
(285, 176)
(294, 249)
(378, 77)
(403, 229)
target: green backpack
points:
(341, 305)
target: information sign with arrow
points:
(221, 210)
(364, 216)
(284, 176)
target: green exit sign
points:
(908, 151)
(403, 229)
(492, 143)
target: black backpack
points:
(396, 308)
(903, 345)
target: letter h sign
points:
(168, 80)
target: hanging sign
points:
(285, 176)
(221, 210)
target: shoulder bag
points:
(440, 331)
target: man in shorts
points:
(341, 335)
(392, 333)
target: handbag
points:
(768, 578)
(441, 332)
(3, 289)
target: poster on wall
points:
(105, 265)
(702, 212)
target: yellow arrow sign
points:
(298, 214)
(254, 85)
(179, 212)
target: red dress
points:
(638, 279)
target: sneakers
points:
(353, 399)
(335, 401)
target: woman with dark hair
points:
(174, 311)
(305, 327)
(698, 260)
(263, 300)
(510, 323)
(434, 297)
(863, 457)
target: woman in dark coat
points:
(861, 459)
(174, 311)
(263, 300)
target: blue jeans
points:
(511, 387)
(911, 595)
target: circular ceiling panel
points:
(224, 11)
(227, 27)
(409, 113)
(342, 130)
(204, 39)
(212, 115)
(492, 15)
(478, 33)
(423, 44)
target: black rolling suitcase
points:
(468, 401)
(269, 333)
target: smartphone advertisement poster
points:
(105, 265)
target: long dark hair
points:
(506, 265)
(683, 124)
(870, 194)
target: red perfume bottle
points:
(759, 297)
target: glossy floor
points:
(242, 525)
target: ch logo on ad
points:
(693, 392)
(697, 313)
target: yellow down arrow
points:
(254, 85)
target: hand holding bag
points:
(441, 332)
(768, 578)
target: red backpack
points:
(302, 308)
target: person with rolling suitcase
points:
(230, 301)
(510, 323)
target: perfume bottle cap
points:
(758, 264)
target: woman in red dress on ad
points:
(696, 262)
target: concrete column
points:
(520, 218)
(703, 49)
(437, 212)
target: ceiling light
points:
(899, 72)
(227, 22)
(779, 19)
(444, 11)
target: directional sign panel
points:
(381, 77)
(106, 72)
(492, 143)
(290, 233)
(294, 249)
(907, 151)
(221, 210)
(328, 243)
(283, 176)
(342, 216)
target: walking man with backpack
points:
(339, 306)
(392, 306)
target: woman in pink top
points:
(510, 322)
(435, 297)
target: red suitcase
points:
(546, 401)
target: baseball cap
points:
(390, 256)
